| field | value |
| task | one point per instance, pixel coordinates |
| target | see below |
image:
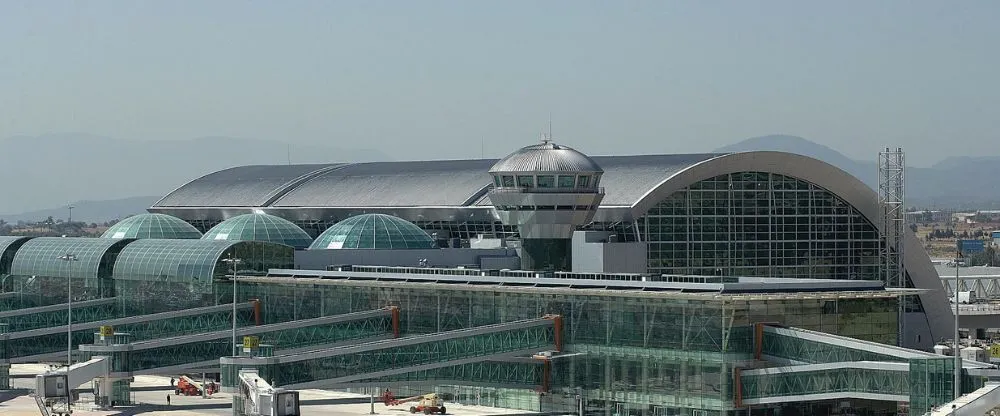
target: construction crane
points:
(256, 397)
(425, 403)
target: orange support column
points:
(546, 375)
(257, 316)
(737, 388)
(758, 340)
(557, 326)
(395, 321)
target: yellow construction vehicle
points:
(426, 404)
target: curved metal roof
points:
(260, 227)
(390, 184)
(192, 261)
(40, 257)
(447, 183)
(242, 186)
(546, 157)
(152, 226)
(373, 231)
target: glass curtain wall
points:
(760, 224)
(640, 351)
(154, 276)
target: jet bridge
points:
(801, 365)
(174, 354)
(55, 315)
(55, 389)
(125, 358)
(258, 398)
(42, 343)
(331, 366)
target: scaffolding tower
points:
(890, 197)
(890, 193)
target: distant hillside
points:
(88, 211)
(954, 183)
(52, 170)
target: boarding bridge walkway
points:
(42, 344)
(124, 359)
(978, 403)
(55, 315)
(813, 365)
(258, 398)
(339, 365)
(185, 352)
(506, 371)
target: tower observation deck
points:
(547, 190)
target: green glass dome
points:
(152, 226)
(373, 231)
(260, 227)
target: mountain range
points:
(104, 178)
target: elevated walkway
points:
(802, 346)
(414, 354)
(42, 343)
(123, 359)
(977, 403)
(871, 380)
(55, 315)
(161, 356)
(810, 365)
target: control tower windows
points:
(583, 181)
(508, 181)
(546, 181)
(526, 181)
(566, 181)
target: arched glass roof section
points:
(197, 261)
(40, 257)
(152, 226)
(260, 227)
(8, 247)
(373, 231)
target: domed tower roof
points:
(373, 231)
(546, 157)
(152, 226)
(259, 227)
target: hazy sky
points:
(421, 79)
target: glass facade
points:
(374, 231)
(163, 275)
(152, 226)
(760, 224)
(260, 227)
(644, 352)
(39, 273)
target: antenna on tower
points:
(550, 125)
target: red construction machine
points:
(188, 387)
(426, 403)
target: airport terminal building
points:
(762, 214)
(708, 284)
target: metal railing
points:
(41, 405)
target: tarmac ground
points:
(150, 395)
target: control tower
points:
(548, 190)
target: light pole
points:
(69, 259)
(958, 357)
(234, 262)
